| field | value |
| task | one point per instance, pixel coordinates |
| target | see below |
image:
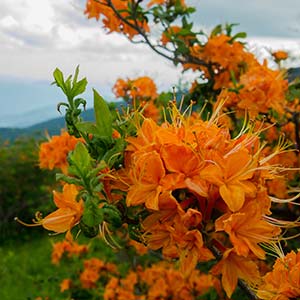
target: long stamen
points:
(289, 200)
(26, 224)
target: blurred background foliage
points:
(24, 188)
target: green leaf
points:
(92, 214)
(68, 179)
(115, 155)
(87, 127)
(239, 35)
(102, 115)
(79, 87)
(59, 80)
(217, 30)
(81, 160)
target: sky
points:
(36, 36)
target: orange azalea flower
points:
(68, 213)
(234, 267)
(65, 285)
(161, 281)
(192, 251)
(67, 246)
(89, 277)
(94, 269)
(146, 137)
(95, 9)
(225, 56)
(189, 167)
(141, 88)
(58, 250)
(233, 173)
(262, 89)
(146, 175)
(283, 282)
(280, 55)
(53, 154)
(246, 229)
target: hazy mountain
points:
(52, 126)
(23, 120)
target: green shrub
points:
(24, 187)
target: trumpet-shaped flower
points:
(233, 174)
(246, 229)
(234, 267)
(69, 210)
(147, 173)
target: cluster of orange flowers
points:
(141, 92)
(227, 58)
(95, 9)
(94, 269)
(283, 282)
(141, 89)
(160, 281)
(246, 84)
(262, 89)
(53, 154)
(67, 246)
(205, 193)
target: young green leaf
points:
(102, 115)
(81, 160)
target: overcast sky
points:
(36, 36)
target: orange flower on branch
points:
(94, 270)
(139, 89)
(65, 284)
(283, 282)
(110, 20)
(279, 55)
(233, 174)
(146, 175)
(68, 246)
(225, 56)
(234, 267)
(247, 228)
(69, 210)
(53, 154)
(262, 89)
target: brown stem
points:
(185, 59)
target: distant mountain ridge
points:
(52, 126)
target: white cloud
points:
(39, 35)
